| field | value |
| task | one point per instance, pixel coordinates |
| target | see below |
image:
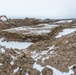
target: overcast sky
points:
(38, 8)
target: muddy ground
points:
(59, 53)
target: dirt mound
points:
(65, 49)
(14, 62)
(20, 37)
(11, 23)
(46, 55)
(30, 33)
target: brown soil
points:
(64, 51)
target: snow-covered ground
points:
(36, 55)
(37, 30)
(43, 55)
(55, 71)
(65, 32)
(14, 44)
(64, 21)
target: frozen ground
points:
(55, 71)
(57, 53)
(43, 55)
(36, 30)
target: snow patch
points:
(12, 62)
(55, 71)
(14, 44)
(43, 55)
(1, 64)
(65, 32)
(2, 50)
(38, 67)
(64, 21)
(48, 25)
(36, 30)
(13, 58)
(15, 70)
(26, 74)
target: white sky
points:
(39, 8)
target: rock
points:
(74, 68)
(47, 71)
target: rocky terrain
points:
(38, 47)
